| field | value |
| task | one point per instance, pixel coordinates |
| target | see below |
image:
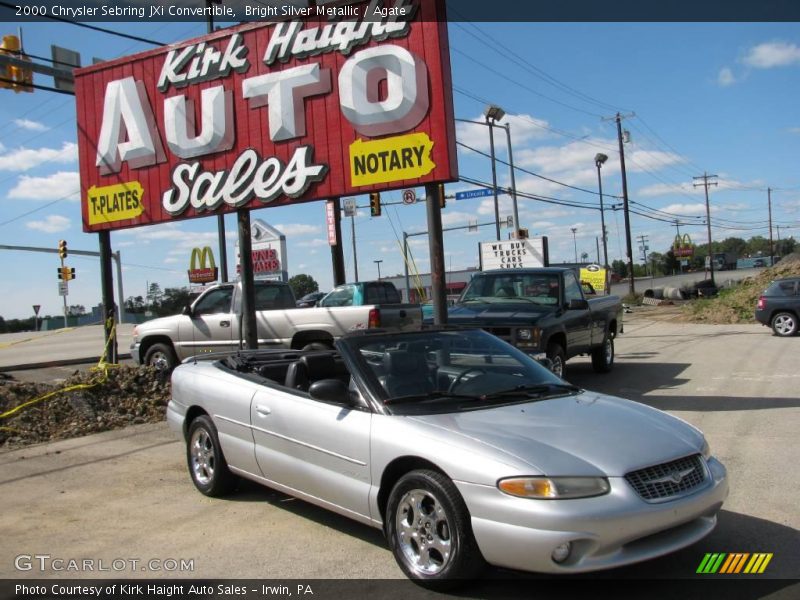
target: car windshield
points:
(541, 289)
(437, 371)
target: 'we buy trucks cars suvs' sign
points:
(266, 114)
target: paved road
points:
(127, 495)
(59, 345)
(721, 277)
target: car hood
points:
(156, 324)
(497, 312)
(582, 435)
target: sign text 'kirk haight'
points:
(268, 114)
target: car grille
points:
(504, 333)
(668, 480)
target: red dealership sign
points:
(268, 114)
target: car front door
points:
(208, 328)
(577, 322)
(314, 447)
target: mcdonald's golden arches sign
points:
(202, 273)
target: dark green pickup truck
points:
(543, 312)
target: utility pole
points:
(643, 247)
(353, 236)
(705, 177)
(628, 246)
(677, 239)
(769, 208)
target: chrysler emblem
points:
(675, 477)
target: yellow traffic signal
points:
(62, 249)
(17, 78)
(375, 204)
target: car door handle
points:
(262, 410)
(224, 323)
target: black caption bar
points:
(233, 11)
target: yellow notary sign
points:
(118, 202)
(390, 159)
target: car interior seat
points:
(406, 373)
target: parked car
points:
(759, 262)
(779, 306)
(461, 448)
(543, 312)
(212, 324)
(310, 300)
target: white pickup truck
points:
(212, 324)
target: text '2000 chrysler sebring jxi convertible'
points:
(463, 449)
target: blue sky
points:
(720, 98)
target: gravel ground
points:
(124, 396)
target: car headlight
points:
(706, 449)
(524, 334)
(528, 336)
(554, 488)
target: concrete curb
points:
(58, 363)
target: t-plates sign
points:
(409, 197)
(268, 114)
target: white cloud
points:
(23, 159)
(666, 189)
(772, 54)
(794, 130)
(298, 229)
(30, 125)
(524, 128)
(64, 184)
(51, 224)
(726, 77)
(698, 209)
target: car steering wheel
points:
(463, 375)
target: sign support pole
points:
(107, 285)
(337, 251)
(436, 245)
(249, 330)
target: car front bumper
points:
(607, 531)
(135, 352)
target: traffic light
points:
(66, 273)
(442, 201)
(60, 272)
(375, 204)
(62, 249)
(72, 273)
(17, 78)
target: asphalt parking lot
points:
(126, 494)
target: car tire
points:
(784, 324)
(558, 358)
(429, 531)
(207, 465)
(603, 355)
(162, 357)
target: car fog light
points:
(562, 552)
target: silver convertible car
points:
(464, 450)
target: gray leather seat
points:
(406, 373)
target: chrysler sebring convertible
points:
(462, 449)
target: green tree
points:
(154, 295)
(620, 268)
(303, 284)
(173, 301)
(734, 244)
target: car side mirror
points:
(187, 310)
(330, 390)
(578, 304)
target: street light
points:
(575, 242)
(599, 159)
(378, 262)
(494, 113)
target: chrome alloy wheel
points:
(160, 361)
(203, 459)
(423, 532)
(558, 365)
(784, 324)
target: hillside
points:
(738, 304)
